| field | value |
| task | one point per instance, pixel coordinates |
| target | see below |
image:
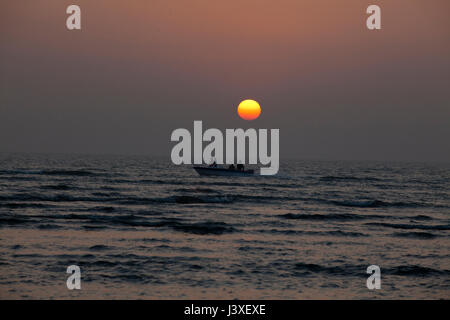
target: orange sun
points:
(249, 109)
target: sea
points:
(139, 227)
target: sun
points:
(249, 109)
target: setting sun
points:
(249, 109)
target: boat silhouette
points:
(218, 171)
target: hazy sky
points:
(140, 69)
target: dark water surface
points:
(140, 227)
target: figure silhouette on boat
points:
(214, 170)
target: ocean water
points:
(142, 228)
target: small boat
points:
(216, 171)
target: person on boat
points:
(231, 167)
(213, 164)
(240, 167)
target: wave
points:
(331, 216)
(19, 171)
(348, 217)
(205, 183)
(416, 271)
(336, 233)
(228, 198)
(348, 178)
(203, 228)
(50, 198)
(269, 198)
(62, 172)
(106, 221)
(409, 226)
(197, 199)
(99, 247)
(200, 190)
(131, 200)
(49, 226)
(15, 205)
(315, 268)
(57, 187)
(355, 270)
(9, 220)
(102, 209)
(50, 172)
(375, 204)
(193, 199)
(17, 178)
(421, 217)
(206, 196)
(94, 228)
(415, 235)
(339, 233)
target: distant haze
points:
(140, 69)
